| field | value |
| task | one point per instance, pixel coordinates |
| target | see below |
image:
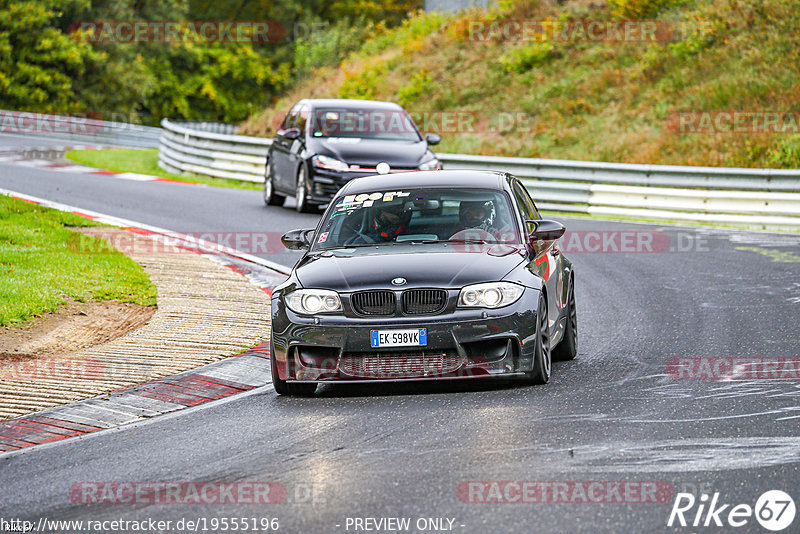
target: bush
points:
(332, 44)
(40, 65)
(524, 58)
(419, 84)
(787, 154)
(639, 9)
(363, 84)
(419, 26)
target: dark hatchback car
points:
(426, 275)
(322, 144)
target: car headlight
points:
(313, 301)
(327, 162)
(489, 295)
(430, 165)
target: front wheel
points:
(302, 190)
(271, 198)
(284, 388)
(542, 361)
(568, 348)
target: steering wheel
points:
(352, 240)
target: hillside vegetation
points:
(544, 95)
(83, 57)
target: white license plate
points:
(418, 337)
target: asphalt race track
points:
(616, 415)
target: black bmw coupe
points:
(324, 143)
(425, 275)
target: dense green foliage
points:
(50, 63)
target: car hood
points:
(363, 268)
(370, 152)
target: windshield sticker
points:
(365, 200)
(323, 237)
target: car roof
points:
(347, 103)
(415, 179)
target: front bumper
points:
(326, 183)
(462, 344)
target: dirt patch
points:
(74, 326)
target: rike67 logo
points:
(774, 510)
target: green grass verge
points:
(144, 161)
(40, 271)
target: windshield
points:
(388, 124)
(429, 215)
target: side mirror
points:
(545, 230)
(292, 134)
(297, 239)
(433, 139)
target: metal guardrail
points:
(187, 150)
(766, 198)
(763, 198)
(77, 128)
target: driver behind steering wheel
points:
(476, 215)
(389, 221)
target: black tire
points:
(567, 349)
(271, 197)
(542, 356)
(301, 192)
(282, 387)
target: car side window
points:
(302, 119)
(530, 200)
(526, 207)
(290, 120)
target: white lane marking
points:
(82, 169)
(32, 162)
(72, 168)
(134, 176)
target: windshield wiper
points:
(355, 245)
(428, 241)
(471, 241)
